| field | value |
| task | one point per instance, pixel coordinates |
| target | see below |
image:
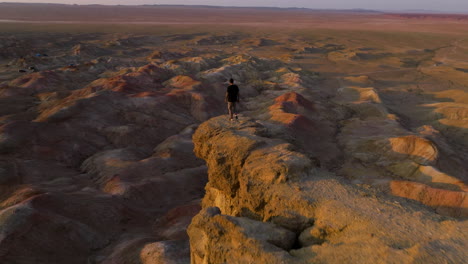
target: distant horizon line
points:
(403, 11)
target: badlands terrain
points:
(115, 146)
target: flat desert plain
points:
(351, 144)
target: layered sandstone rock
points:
(381, 152)
(260, 191)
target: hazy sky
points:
(435, 5)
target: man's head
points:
(231, 81)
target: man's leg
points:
(231, 109)
(234, 110)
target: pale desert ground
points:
(351, 147)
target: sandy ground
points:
(254, 17)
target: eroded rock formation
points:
(344, 153)
(267, 202)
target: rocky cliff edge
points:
(266, 202)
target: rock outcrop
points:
(381, 152)
(266, 202)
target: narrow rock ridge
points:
(266, 202)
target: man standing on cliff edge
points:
(232, 97)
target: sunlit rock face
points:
(272, 203)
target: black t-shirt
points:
(232, 93)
